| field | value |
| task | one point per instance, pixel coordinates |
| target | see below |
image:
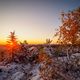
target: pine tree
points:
(12, 44)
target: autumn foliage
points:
(69, 31)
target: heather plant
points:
(49, 69)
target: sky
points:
(32, 20)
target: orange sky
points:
(30, 41)
(3, 40)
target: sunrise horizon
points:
(34, 41)
(34, 21)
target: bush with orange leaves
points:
(46, 71)
(69, 31)
(43, 57)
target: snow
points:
(76, 55)
(13, 71)
(17, 76)
(47, 51)
(31, 69)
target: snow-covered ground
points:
(13, 71)
(21, 70)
